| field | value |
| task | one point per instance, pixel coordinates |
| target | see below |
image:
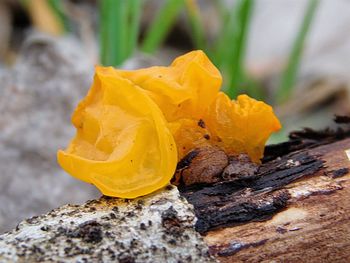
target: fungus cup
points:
(134, 126)
(123, 145)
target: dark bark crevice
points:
(261, 194)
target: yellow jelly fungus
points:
(182, 90)
(188, 90)
(128, 122)
(241, 126)
(123, 145)
(189, 135)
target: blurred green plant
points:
(119, 30)
(289, 75)
(161, 25)
(196, 24)
(230, 49)
(58, 10)
(135, 18)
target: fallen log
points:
(293, 208)
(238, 216)
(314, 225)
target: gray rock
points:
(157, 228)
(37, 98)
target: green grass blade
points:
(196, 24)
(113, 32)
(220, 47)
(236, 52)
(103, 33)
(134, 24)
(122, 31)
(223, 11)
(289, 76)
(57, 7)
(161, 25)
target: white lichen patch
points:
(157, 228)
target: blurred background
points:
(293, 54)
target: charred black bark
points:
(258, 195)
(253, 198)
(309, 138)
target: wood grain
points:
(313, 227)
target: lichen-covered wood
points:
(158, 228)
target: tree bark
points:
(314, 225)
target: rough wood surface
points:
(313, 226)
(251, 198)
